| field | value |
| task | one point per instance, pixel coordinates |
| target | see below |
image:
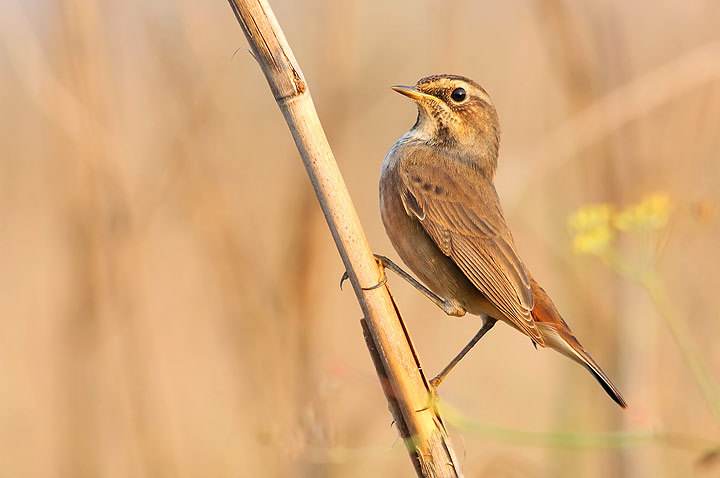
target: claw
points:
(381, 282)
(433, 398)
(383, 277)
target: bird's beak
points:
(413, 93)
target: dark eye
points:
(458, 95)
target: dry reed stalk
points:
(397, 363)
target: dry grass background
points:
(168, 288)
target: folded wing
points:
(459, 209)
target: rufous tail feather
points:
(558, 336)
(565, 343)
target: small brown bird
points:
(443, 216)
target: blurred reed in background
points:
(168, 288)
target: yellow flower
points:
(591, 216)
(592, 225)
(650, 213)
(595, 241)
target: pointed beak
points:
(413, 93)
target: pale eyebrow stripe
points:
(485, 97)
(482, 94)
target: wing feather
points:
(459, 209)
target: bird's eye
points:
(458, 95)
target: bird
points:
(442, 214)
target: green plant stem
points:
(563, 439)
(650, 280)
(684, 341)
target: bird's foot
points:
(381, 281)
(433, 397)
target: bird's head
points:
(457, 114)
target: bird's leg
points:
(487, 325)
(448, 306)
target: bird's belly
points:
(420, 253)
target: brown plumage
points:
(443, 216)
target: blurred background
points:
(169, 301)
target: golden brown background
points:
(169, 301)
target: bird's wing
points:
(460, 210)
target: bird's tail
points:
(564, 342)
(558, 336)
